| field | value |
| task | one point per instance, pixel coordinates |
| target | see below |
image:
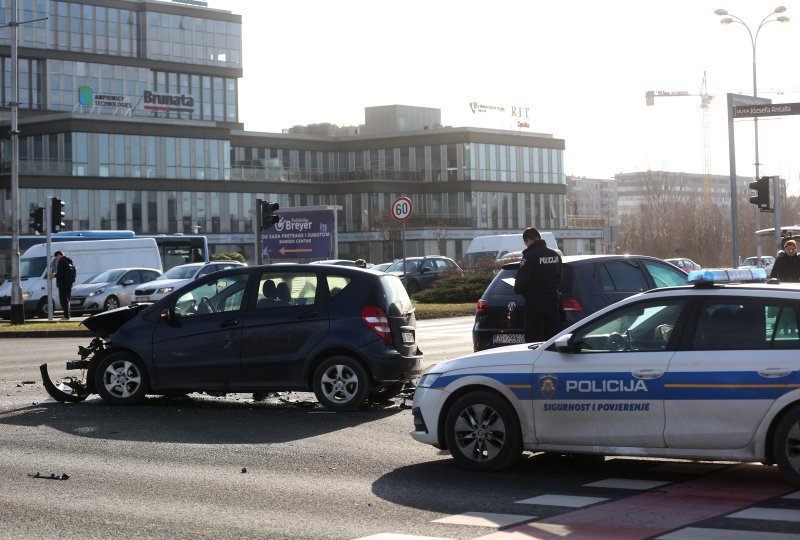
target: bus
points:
(175, 249)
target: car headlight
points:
(95, 293)
(164, 290)
(427, 380)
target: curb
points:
(45, 333)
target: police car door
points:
(740, 358)
(608, 390)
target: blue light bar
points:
(737, 275)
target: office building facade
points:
(128, 111)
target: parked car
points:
(588, 283)
(347, 334)
(707, 372)
(767, 262)
(178, 276)
(108, 290)
(422, 272)
(687, 265)
(382, 267)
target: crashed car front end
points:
(71, 389)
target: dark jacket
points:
(64, 275)
(786, 268)
(539, 273)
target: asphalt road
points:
(220, 468)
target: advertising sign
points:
(299, 235)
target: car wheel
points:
(340, 384)
(112, 302)
(385, 392)
(120, 378)
(42, 309)
(786, 446)
(413, 287)
(482, 432)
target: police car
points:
(706, 371)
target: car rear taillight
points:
(570, 304)
(376, 319)
(481, 306)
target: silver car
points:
(109, 289)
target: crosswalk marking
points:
(627, 483)
(697, 533)
(771, 514)
(571, 501)
(484, 519)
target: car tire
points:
(786, 446)
(413, 287)
(42, 309)
(482, 432)
(112, 302)
(120, 378)
(341, 384)
(387, 391)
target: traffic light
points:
(268, 217)
(37, 219)
(57, 215)
(761, 198)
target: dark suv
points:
(345, 333)
(588, 283)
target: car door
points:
(428, 272)
(740, 357)
(126, 285)
(608, 390)
(199, 344)
(280, 331)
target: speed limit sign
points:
(402, 208)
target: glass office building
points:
(128, 112)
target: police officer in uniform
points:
(537, 281)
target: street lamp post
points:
(728, 18)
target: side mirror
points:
(169, 316)
(128, 282)
(563, 343)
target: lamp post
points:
(728, 18)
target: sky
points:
(581, 67)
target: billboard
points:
(303, 234)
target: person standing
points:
(787, 265)
(537, 281)
(65, 277)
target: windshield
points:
(32, 267)
(106, 277)
(397, 266)
(180, 272)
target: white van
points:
(89, 256)
(492, 247)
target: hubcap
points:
(122, 379)
(480, 432)
(793, 446)
(339, 383)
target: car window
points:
(626, 276)
(132, 275)
(281, 289)
(429, 264)
(149, 275)
(665, 275)
(223, 294)
(336, 284)
(737, 324)
(396, 298)
(642, 327)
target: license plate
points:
(508, 338)
(141, 298)
(408, 337)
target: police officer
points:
(537, 281)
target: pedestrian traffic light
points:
(268, 217)
(37, 219)
(761, 198)
(57, 215)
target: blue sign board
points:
(299, 235)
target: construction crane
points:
(705, 101)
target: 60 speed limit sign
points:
(402, 208)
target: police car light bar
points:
(738, 275)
